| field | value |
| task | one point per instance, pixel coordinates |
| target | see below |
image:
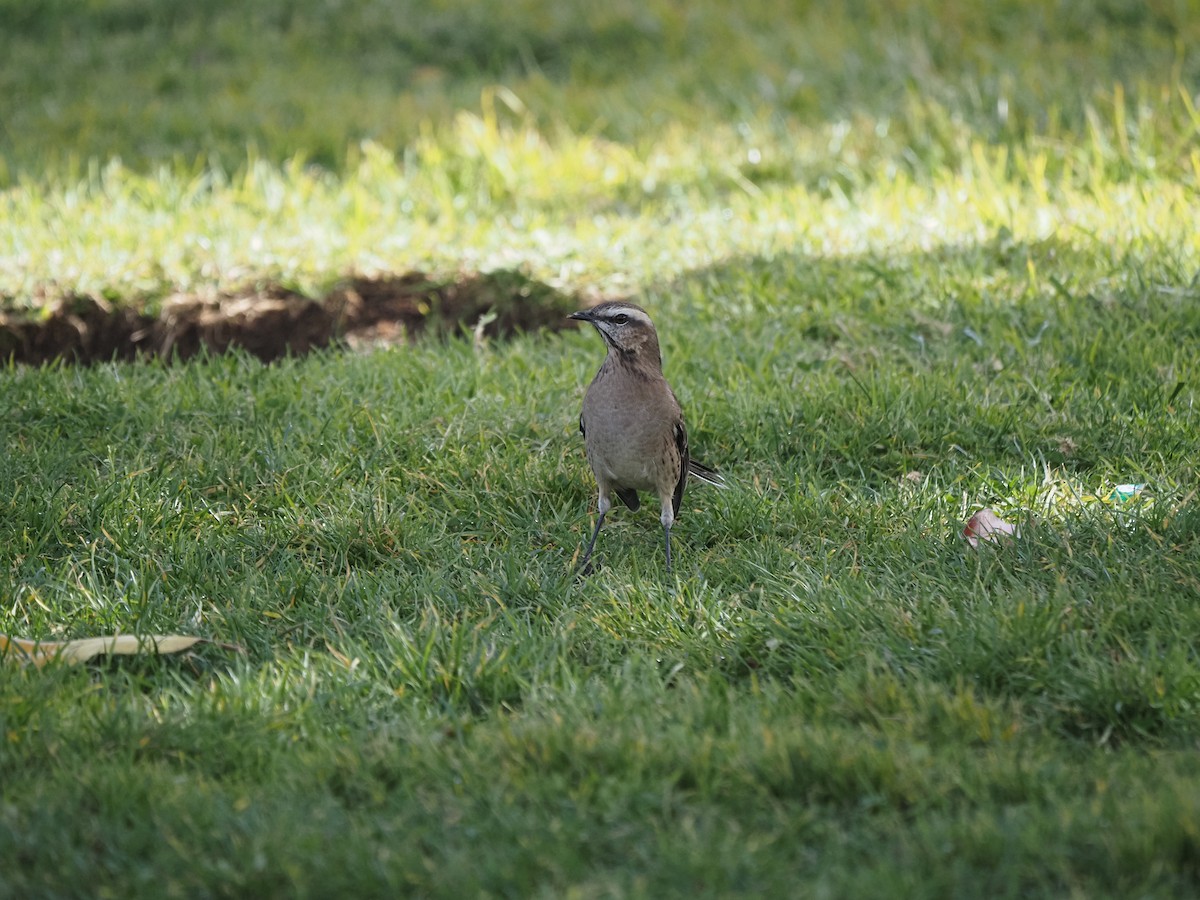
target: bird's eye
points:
(621, 319)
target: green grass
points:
(864, 270)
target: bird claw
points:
(588, 567)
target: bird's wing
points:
(582, 430)
(681, 444)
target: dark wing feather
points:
(681, 445)
(701, 472)
(629, 497)
(581, 428)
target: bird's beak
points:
(584, 315)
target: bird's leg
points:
(587, 554)
(668, 519)
(604, 506)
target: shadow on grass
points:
(835, 307)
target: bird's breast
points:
(628, 449)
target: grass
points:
(604, 151)
(867, 274)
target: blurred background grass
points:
(150, 81)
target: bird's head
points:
(625, 327)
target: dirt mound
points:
(271, 321)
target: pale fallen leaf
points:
(38, 653)
(985, 525)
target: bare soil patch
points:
(271, 321)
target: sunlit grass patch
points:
(628, 223)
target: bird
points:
(631, 423)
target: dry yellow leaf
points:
(38, 653)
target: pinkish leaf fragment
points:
(985, 525)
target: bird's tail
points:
(703, 473)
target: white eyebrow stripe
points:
(635, 314)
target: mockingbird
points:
(631, 422)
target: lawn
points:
(906, 262)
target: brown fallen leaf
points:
(985, 525)
(38, 653)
